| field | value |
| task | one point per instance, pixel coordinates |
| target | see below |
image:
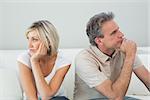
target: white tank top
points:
(60, 62)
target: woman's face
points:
(33, 42)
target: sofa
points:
(10, 88)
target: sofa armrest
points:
(9, 85)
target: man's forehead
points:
(109, 26)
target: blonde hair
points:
(47, 34)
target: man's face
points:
(113, 37)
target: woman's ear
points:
(49, 51)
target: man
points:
(103, 71)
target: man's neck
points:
(106, 51)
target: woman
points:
(42, 67)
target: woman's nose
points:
(29, 44)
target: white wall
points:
(70, 18)
(149, 22)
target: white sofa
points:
(10, 88)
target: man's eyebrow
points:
(115, 30)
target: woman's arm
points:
(48, 90)
(27, 82)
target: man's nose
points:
(121, 34)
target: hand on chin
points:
(31, 53)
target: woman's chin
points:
(31, 53)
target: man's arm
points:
(144, 75)
(117, 90)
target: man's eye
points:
(113, 32)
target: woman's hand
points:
(41, 52)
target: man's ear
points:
(98, 40)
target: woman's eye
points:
(27, 38)
(35, 39)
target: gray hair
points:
(47, 34)
(93, 28)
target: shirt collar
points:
(103, 57)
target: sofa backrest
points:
(8, 61)
(10, 88)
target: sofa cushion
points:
(140, 97)
(9, 85)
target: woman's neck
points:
(47, 58)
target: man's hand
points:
(117, 89)
(41, 52)
(128, 47)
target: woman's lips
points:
(32, 50)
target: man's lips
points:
(120, 41)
